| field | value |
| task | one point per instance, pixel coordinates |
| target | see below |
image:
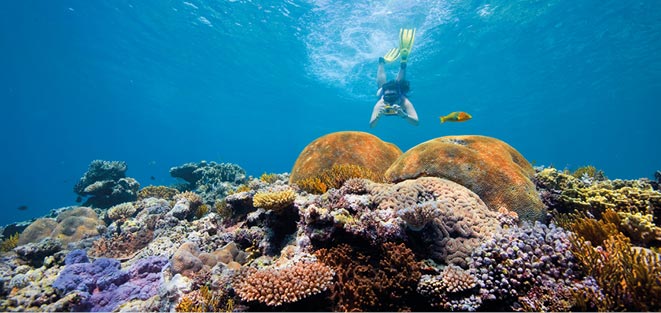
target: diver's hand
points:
(399, 110)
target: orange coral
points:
(491, 168)
(205, 300)
(276, 286)
(349, 147)
(336, 176)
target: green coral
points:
(9, 243)
(566, 194)
(589, 171)
(269, 178)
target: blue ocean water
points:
(161, 83)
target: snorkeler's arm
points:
(411, 114)
(376, 112)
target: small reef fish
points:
(22, 208)
(456, 117)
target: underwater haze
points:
(160, 83)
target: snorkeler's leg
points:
(411, 114)
(401, 76)
(376, 112)
(381, 73)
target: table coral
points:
(491, 168)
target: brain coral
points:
(449, 217)
(495, 171)
(348, 147)
(69, 226)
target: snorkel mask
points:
(391, 96)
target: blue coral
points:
(103, 285)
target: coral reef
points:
(510, 264)
(106, 184)
(445, 216)
(589, 172)
(160, 192)
(70, 226)
(453, 289)
(103, 286)
(349, 147)
(121, 246)
(495, 171)
(276, 200)
(9, 243)
(210, 180)
(352, 244)
(335, 177)
(35, 253)
(37, 230)
(629, 276)
(566, 194)
(121, 211)
(205, 300)
(379, 279)
(274, 286)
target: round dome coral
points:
(346, 147)
(491, 168)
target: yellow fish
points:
(456, 117)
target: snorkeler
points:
(392, 94)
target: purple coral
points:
(103, 285)
(508, 265)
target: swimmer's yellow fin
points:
(392, 55)
(406, 37)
